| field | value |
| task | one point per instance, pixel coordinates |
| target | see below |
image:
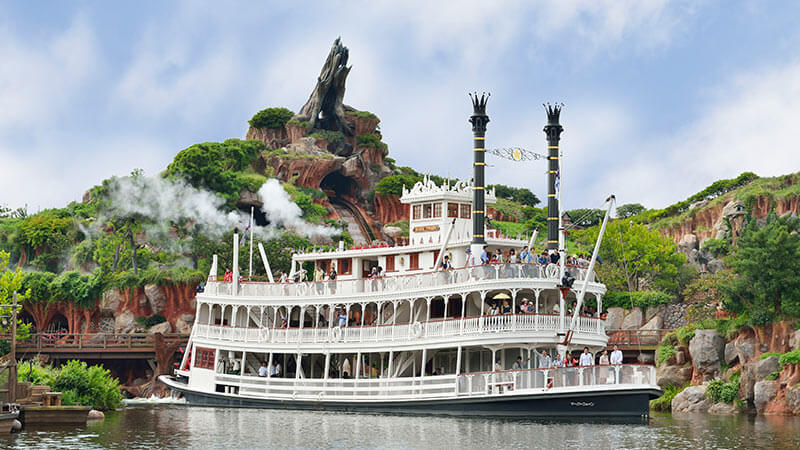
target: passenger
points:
(342, 318)
(523, 308)
(284, 277)
(531, 308)
(518, 363)
(507, 310)
(263, 370)
(498, 256)
(275, 371)
(604, 358)
(543, 258)
(616, 356)
(554, 257)
(493, 309)
(512, 257)
(332, 280)
(523, 255)
(373, 273)
(586, 358)
(445, 264)
(498, 367)
(544, 360)
(468, 257)
(485, 255)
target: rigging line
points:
(628, 279)
(576, 222)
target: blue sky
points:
(662, 98)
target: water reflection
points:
(180, 426)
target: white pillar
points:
(299, 365)
(244, 363)
(391, 361)
(458, 361)
(424, 355)
(327, 365)
(235, 264)
(358, 364)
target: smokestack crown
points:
(553, 113)
(479, 118)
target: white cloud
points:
(751, 126)
(38, 79)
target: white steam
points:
(165, 202)
(281, 211)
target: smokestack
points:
(479, 119)
(553, 131)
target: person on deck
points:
(604, 358)
(616, 356)
(518, 363)
(263, 370)
(523, 255)
(586, 358)
(544, 360)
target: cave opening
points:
(335, 184)
(258, 215)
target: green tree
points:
(10, 282)
(629, 210)
(271, 118)
(636, 256)
(585, 217)
(767, 261)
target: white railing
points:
(404, 283)
(442, 386)
(553, 378)
(401, 332)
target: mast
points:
(553, 131)
(479, 119)
(250, 274)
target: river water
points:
(179, 426)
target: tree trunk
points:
(116, 258)
(133, 252)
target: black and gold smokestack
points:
(553, 131)
(479, 119)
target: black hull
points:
(617, 403)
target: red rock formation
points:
(496, 214)
(272, 137)
(388, 208)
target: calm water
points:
(177, 426)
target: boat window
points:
(426, 211)
(417, 212)
(435, 257)
(452, 210)
(437, 210)
(390, 263)
(204, 358)
(466, 209)
(345, 266)
(413, 261)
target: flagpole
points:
(250, 275)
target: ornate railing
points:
(403, 283)
(402, 332)
(438, 386)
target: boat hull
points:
(632, 402)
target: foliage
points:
(535, 218)
(766, 355)
(718, 391)
(704, 295)
(250, 181)
(10, 282)
(371, 140)
(717, 247)
(402, 224)
(520, 195)
(664, 352)
(214, 166)
(714, 190)
(651, 259)
(148, 322)
(664, 403)
(35, 373)
(509, 228)
(640, 299)
(773, 376)
(304, 198)
(393, 184)
(90, 385)
(271, 118)
(767, 261)
(361, 114)
(586, 217)
(792, 357)
(629, 210)
(333, 137)
(390, 163)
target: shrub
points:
(768, 354)
(362, 114)
(91, 386)
(773, 376)
(333, 137)
(641, 299)
(664, 403)
(717, 247)
(664, 352)
(271, 118)
(792, 357)
(370, 140)
(719, 391)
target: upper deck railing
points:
(398, 283)
(405, 333)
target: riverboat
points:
(419, 337)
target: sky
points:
(661, 97)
